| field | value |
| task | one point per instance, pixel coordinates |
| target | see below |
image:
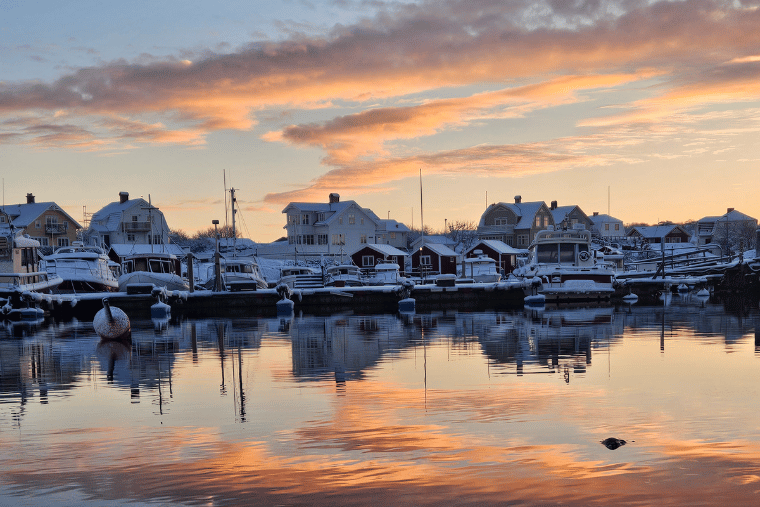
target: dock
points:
(263, 302)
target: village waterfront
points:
(441, 408)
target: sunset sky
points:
(648, 109)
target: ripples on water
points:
(448, 408)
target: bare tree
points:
(463, 233)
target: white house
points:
(729, 229)
(336, 228)
(128, 221)
(607, 227)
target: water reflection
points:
(447, 407)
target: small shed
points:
(368, 256)
(435, 258)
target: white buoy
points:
(111, 323)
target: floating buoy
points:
(160, 311)
(630, 298)
(535, 300)
(111, 323)
(407, 305)
(285, 307)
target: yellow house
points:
(46, 222)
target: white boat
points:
(481, 268)
(82, 269)
(386, 273)
(563, 268)
(237, 273)
(343, 275)
(301, 277)
(157, 268)
(19, 263)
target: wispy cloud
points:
(409, 72)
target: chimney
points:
(728, 211)
(518, 199)
(596, 213)
(30, 198)
(334, 198)
(554, 205)
(123, 197)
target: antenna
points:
(608, 199)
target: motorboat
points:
(160, 269)
(237, 273)
(82, 269)
(563, 267)
(480, 268)
(301, 277)
(386, 273)
(19, 263)
(343, 275)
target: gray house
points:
(128, 221)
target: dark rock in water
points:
(613, 443)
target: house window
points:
(606, 227)
(308, 239)
(351, 219)
(500, 221)
(156, 239)
(538, 220)
(320, 217)
(2, 219)
(425, 260)
(44, 241)
(63, 241)
(304, 219)
(291, 240)
(130, 237)
(37, 224)
(338, 239)
(522, 239)
(292, 219)
(340, 220)
(134, 218)
(393, 235)
(363, 239)
(368, 261)
(361, 221)
(322, 239)
(617, 227)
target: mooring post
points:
(190, 274)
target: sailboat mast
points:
(234, 234)
(422, 217)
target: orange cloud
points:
(413, 49)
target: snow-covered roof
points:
(393, 226)
(113, 213)
(657, 231)
(23, 215)
(124, 249)
(603, 219)
(560, 212)
(526, 211)
(735, 216)
(441, 249)
(497, 246)
(386, 250)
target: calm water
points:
(432, 409)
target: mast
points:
(234, 234)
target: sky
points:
(648, 110)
